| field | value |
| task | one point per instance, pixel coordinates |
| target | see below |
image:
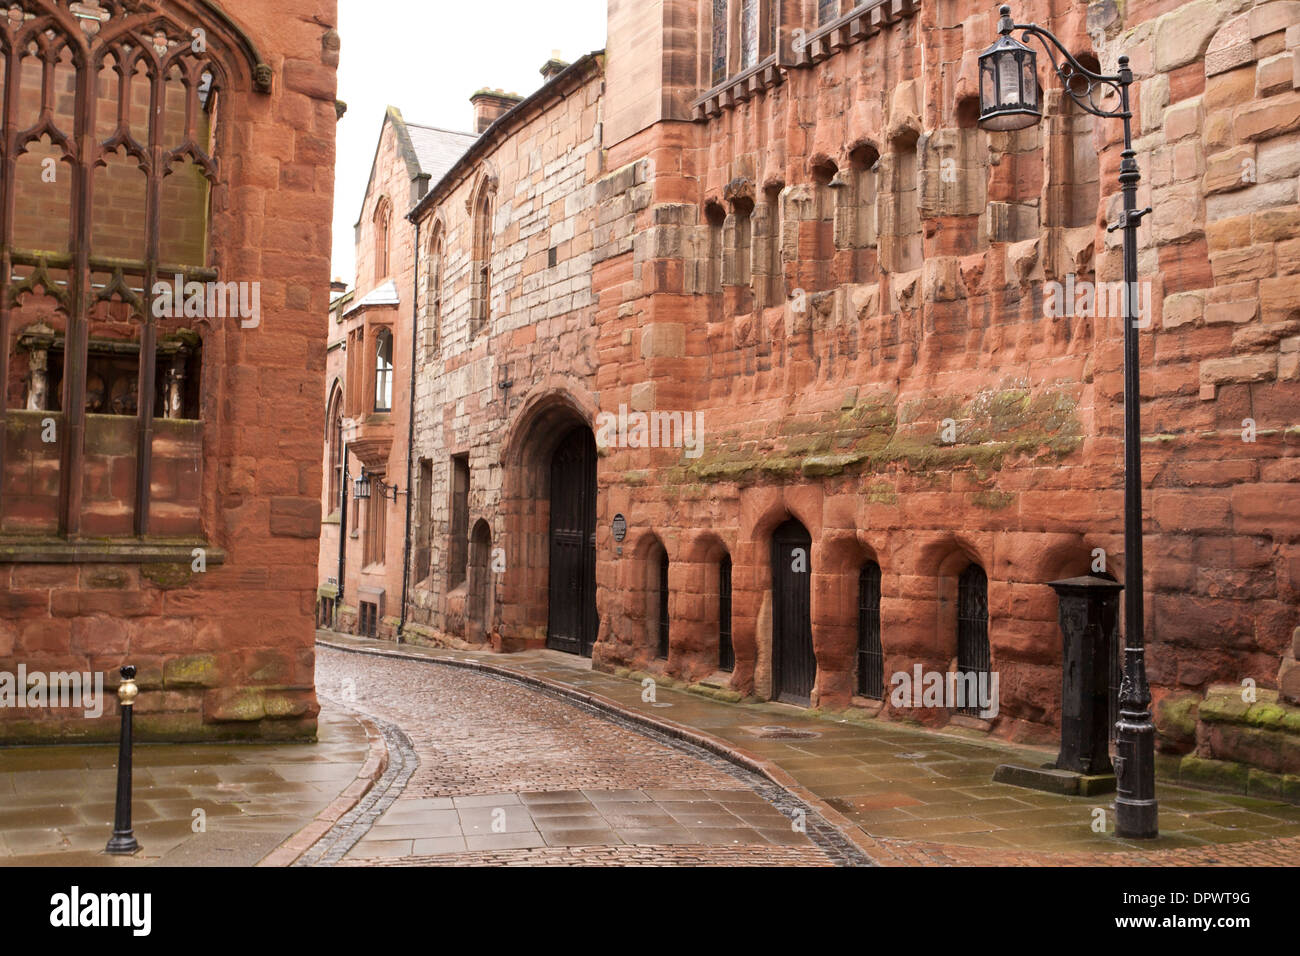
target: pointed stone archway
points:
(550, 522)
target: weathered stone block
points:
(1241, 368)
(1230, 170)
(1268, 118)
(1181, 37)
(1183, 308)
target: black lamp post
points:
(1009, 101)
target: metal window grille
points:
(368, 623)
(871, 657)
(973, 655)
(663, 605)
(726, 652)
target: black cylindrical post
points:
(123, 841)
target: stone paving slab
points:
(942, 805)
(59, 805)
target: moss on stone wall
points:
(876, 435)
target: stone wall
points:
(215, 607)
(540, 175)
(930, 408)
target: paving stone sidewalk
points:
(56, 803)
(919, 797)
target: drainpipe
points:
(410, 435)
(343, 538)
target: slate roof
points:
(436, 149)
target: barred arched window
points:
(726, 650)
(871, 658)
(973, 654)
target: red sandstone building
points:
(780, 223)
(166, 176)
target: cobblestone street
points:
(490, 772)
(902, 797)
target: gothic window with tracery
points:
(109, 143)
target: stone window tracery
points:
(109, 135)
(718, 51)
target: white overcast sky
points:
(426, 57)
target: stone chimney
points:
(553, 67)
(491, 105)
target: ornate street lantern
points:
(1008, 86)
(361, 489)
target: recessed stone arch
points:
(550, 412)
(696, 620)
(764, 509)
(838, 559)
(480, 610)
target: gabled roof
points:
(427, 150)
(554, 89)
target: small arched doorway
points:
(572, 623)
(794, 664)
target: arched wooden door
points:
(794, 665)
(572, 616)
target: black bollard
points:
(123, 842)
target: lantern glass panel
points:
(1030, 82)
(1008, 72)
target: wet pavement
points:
(484, 770)
(496, 772)
(918, 796)
(194, 805)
